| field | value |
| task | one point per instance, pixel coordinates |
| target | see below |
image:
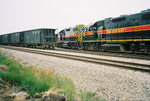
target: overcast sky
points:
(19, 15)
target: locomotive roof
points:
(121, 16)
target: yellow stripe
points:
(126, 40)
(110, 40)
(67, 41)
(146, 39)
(119, 29)
(138, 39)
(92, 41)
(80, 27)
(130, 27)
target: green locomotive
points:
(126, 32)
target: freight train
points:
(126, 32)
(43, 37)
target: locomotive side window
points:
(118, 19)
(68, 29)
(145, 17)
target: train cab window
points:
(94, 28)
(87, 29)
(145, 17)
(68, 29)
(100, 28)
(90, 28)
(60, 36)
(75, 29)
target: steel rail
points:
(114, 63)
(109, 53)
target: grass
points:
(38, 80)
(90, 96)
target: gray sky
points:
(19, 15)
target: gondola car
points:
(0, 39)
(39, 37)
(16, 38)
(31, 38)
(5, 39)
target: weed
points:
(66, 84)
(39, 80)
(89, 96)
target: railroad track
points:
(109, 53)
(114, 63)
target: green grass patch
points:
(90, 96)
(38, 80)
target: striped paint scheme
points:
(109, 40)
(117, 30)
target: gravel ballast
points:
(108, 82)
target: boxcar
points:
(40, 37)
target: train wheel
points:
(43, 46)
(26, 45)
(70, 46)
(53, 47)
(123, 48)
(134, 48)
(86, 46)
